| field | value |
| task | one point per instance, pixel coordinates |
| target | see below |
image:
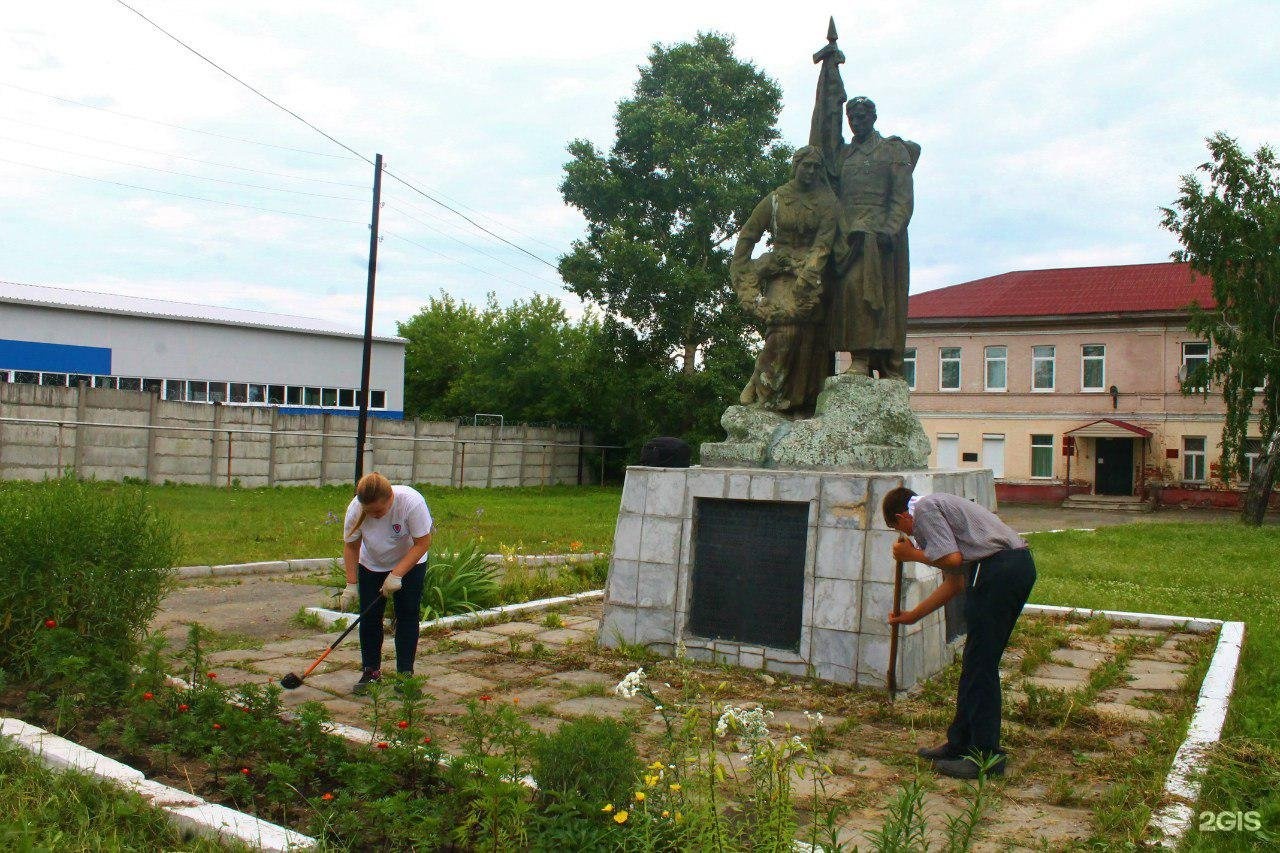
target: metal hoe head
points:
(291, 682)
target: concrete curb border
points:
(331, 617)
(187, 811)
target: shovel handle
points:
(342, 636)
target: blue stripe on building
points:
(55, 358)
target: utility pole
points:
(361, 431)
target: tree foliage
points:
(696, 148)
(1230, 232)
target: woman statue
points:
(783, 287)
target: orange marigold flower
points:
(326, 796)
(403, 724)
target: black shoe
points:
(967, 767)
(367, 677)
(940, 752)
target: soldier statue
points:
(784, 287)
(868, 274)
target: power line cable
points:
(332, 139)
(461, 242)
(183, 195)
(169, 124)
(467, 265)
(180, 174)
(182, 156)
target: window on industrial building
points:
(239, 393)
(257, 393)
(53, 379)
(130, 383)
(76, 378)
(1193, 467)
(174, 389)
(311, 397)
(5, 376)
(909, 367)
(1093, 367)
(1195, 364)
(275, 395)
(377, 399)
(104, 382)
(1252, 453)
(294, 395)
(152, 386)
(1042, 364)
(1042, 456)
(996, 363)
(26, 377)
(949, 368)
(198, 392)
(217, 392)
(329, 396)
(346, 398)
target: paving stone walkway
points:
(1120, 682)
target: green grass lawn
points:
(241, 525)
(1222, 571)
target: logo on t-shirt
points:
(395, 529)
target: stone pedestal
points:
(842, 564)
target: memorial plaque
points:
(748, 571)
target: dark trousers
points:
(407, 605)
(998, 588)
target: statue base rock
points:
(860, 424)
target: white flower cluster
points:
(629, 686)
(751, 723)
(815, 717)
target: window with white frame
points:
(909, 367)
(1093, 367)
(1193, 467)
(1042, 364)
(949, 369)
(1195, 361)
(1042, 456)
(1252, 453)
(996, 368)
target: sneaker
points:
(939, 752)
(367, 677)
(967, 767)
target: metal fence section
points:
(108, 434)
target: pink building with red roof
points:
(1013, 371)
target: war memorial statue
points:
(772, 552)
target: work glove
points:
(350, 597)
(391, 584)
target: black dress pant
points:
(998, 588)
(407, 604)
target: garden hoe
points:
(893, 633)
(293, 682)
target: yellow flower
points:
(650, 781)
(639, 796)
(675, 786)
(666, 813)
(620, 817)
(657, 765)
(679, 817)
(607, 808)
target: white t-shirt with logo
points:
(384, 541)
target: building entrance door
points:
(1113, 471)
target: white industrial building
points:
(194, 353)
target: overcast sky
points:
(1051, 133)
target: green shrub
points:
(91, 560)
(458, 581)
(590, 758)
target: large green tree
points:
(696, 148)
(1230, 231)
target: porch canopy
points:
(1109, 428)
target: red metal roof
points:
(1078, 290)
(1121, 425)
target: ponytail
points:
(373, 487)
